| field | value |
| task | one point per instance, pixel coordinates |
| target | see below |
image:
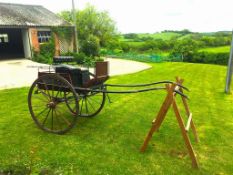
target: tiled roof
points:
(18, 15)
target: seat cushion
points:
(76, 74)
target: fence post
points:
(229, 69)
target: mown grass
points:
(109, 143)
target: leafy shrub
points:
(40, 58)
(99, 59)
(91, 46)
(67, 54)
(113, 44)
(47, 49)
(46, 53)
(82, 59)
(89, 62)
(79, 57)
(125, 47)
(117, 51)
(103, 51)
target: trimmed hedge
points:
(208, 58)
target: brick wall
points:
(34, 39)
(36, 45)
(57, 45)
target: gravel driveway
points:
(22, 72)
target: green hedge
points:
(208, 58)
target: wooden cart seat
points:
(100, 76)
(83, 78)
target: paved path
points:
(120, 67)
(22, 72)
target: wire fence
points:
(153, 58)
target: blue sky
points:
(149, 16)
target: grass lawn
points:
(109, 143)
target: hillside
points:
(168, 35)
(187, 46)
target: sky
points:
(150, 16)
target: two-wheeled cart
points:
(57, 98)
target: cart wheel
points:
(48, 105)
(90, 103)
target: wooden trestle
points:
(169, 101)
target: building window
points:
(43, 36)
(4, 38)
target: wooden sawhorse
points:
(168, 102)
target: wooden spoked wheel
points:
(90, 103)
(48, 105)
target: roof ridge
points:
(6, 3)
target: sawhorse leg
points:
(170, 101)
(185, 135)
(184, 100)
(158, 121)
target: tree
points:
(185, 48)
(91, 46)
(93, 23)
(66, 15)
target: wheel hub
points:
(51, 105)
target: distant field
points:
(185, 36)
(164, 36)
(135, 43)
(140, 40)
(222, 49)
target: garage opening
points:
(11, 43)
